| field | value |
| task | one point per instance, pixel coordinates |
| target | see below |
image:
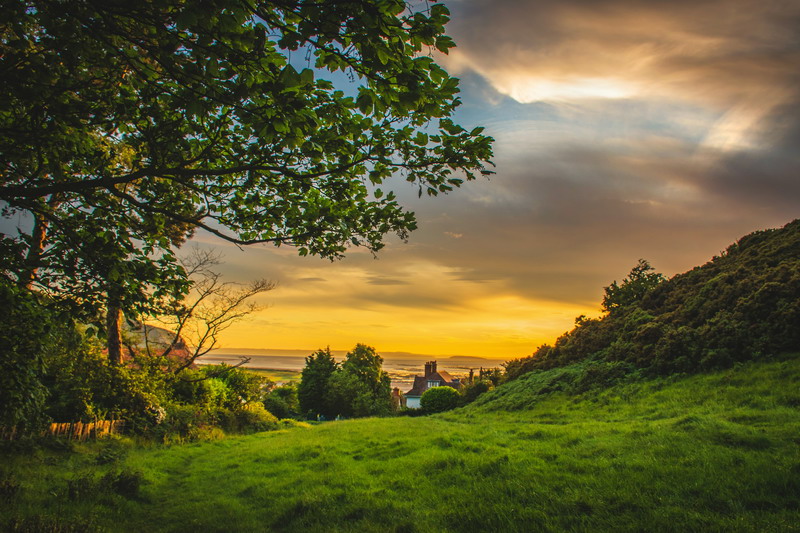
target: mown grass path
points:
(717, 452)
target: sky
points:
(624, 130)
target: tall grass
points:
(716, 452)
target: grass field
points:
(715, 452)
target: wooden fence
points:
(73, 430)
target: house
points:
(432, 378)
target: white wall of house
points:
(412, 401)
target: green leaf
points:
(364, 103)
(289, 77)
(307, 76)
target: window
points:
(434, 384)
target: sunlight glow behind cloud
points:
(625, 129)
(527, 89)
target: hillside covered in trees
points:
(741, 305)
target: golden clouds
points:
(429, 308)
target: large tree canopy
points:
(126, 126)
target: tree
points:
(312, 392)
(361, 387)
(348, 396)
(125, 127)
(366, 365)
(642, 279)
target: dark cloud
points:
(701, 149)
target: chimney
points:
(433, 367)
(428, 369)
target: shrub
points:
(242, 385)
(439, 399)
(254, 417)
(288, 423)
(283, 402)
(126, 482)
(9, 486)
(471, 392)
(27, 331)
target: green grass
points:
(715, 452)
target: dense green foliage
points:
(741, 305)
(52, 370)
(282, 401)
(471, 390)
(125, 126)
(439, 399)
(312, 392)
(26, 334)
(361, 387)
(358, 387)
(641, 280)
(714, 452)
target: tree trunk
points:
(33, 257)
(114, 343)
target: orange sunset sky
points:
(624, 130)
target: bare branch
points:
(211, 307)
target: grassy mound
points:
(713, 452)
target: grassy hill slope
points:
(712, 452)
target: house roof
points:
(444, 376)
(421, 382)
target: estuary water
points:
(401, 366)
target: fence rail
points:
(72, 430)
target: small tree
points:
(439, 399)
(312, 392)
(365, 363)
(642, 279)
(370, 384)
(348, 396)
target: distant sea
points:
(401, 366)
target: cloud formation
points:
(718, 52)
(625, 129)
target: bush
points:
(218, 386)
(180, 421)
(126, 482)
(439, 399)
(471, 392)
(283, 402)
(27, 332)
(253, 418)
